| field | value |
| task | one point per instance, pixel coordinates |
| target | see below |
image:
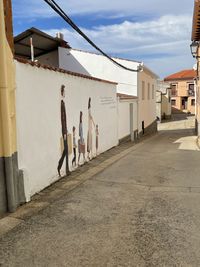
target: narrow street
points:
(144, 210)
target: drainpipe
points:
(7, 107)
(197, 94)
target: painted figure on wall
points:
(81, 142)
(74, 146)
(90, 126)
(64, 134)
(97, 138)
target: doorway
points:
(184, 103)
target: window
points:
(173, 101)
(153, 93)
(148, 90)
(191, 86)
(174, 91)
(191, 89)
(192, 102)
(143, 90)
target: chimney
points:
(60, 35)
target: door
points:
(184, 103)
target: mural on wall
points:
(74, 146)
(65, 152)
(69, 144)
(81, 141)
(90, 128)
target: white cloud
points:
(38, 8)
(160, 36)
(162, 43)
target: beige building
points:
(182, 91)
(195, 49)
(147, 86)
(11, 178)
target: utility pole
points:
(8, 147)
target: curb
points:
(62, 187)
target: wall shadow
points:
(179, 117)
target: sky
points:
(156, 32)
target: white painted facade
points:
(39, 120)
(166, 107)
(159, 105)
(128, 82)
(100, 67)
(125, 127)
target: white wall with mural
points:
(128, 82)
(40, 115)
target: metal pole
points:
(32, 50)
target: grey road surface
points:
(144, 210)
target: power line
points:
(61, 13)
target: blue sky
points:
(156, 32)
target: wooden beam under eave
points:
(195, 31)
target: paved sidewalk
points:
(66, 184)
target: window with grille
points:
(173, 91)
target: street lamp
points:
(194, 48)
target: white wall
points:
(39, 123)
(158, 104)
(124, 118)
(100, 67)
(128, 82)
(166, 105)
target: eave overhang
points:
(196, 21)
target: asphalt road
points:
(144, 210)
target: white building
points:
(39, 120)
(122, 104)
(163, 101)
(139, 84)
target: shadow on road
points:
(179, 117)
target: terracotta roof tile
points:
(43, 66)
(182, 75)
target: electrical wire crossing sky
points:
(62, 14)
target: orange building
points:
(182, 91)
